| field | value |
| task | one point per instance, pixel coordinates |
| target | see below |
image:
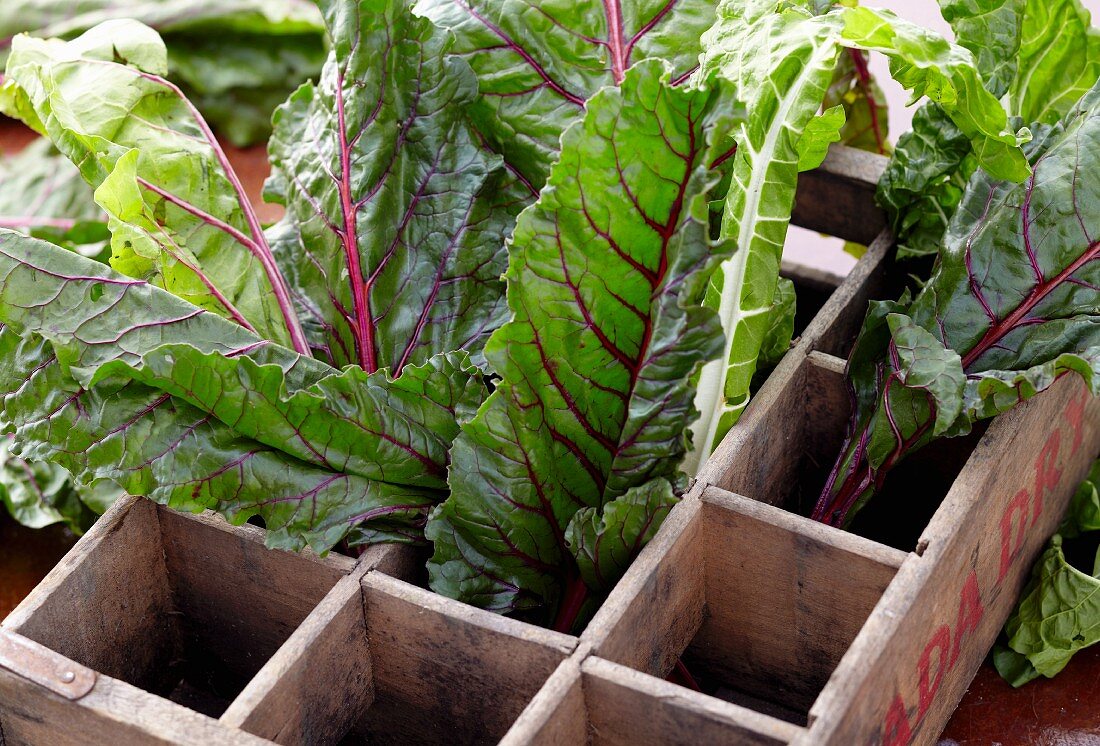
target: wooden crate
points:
(801, 633)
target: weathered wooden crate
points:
(169, 628)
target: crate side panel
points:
(557, 715)
(114, 713)
(659, 605)
(839, 197)
(907, 670)
(108, 605)
(319, 684)
(797, 417)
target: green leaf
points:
(990, 29)
(603, 546)
(1015, 293)
(821, 132)
(395, 212)
(783, 83)
(178, 215)
(538, 63)
(1058, 615)
(1059, 60)
(116, 379)
(924, 363)
(924, 181)
(236, 59)
(1044, 54)
(606, 276)
(38, 494)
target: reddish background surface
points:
(1061, 712)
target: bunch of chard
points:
(357, 370)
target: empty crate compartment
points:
(383, 661)
(185, 607)
(758, 604)
(601, 703)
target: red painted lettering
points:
(970, 613)
(1047, 473)
(939, 644)
(897, 731)
(1012, 541)
(1075, 415)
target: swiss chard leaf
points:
(782, 63)
(38, 494)
(606, 276)
(1013, 304)
(396, 215)
(1043, 54)
(538, 63)
(235, 59)
(178, 214)
(115, 379)
(1059, 611)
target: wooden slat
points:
(629, 707)
(912, 662)
(658, 607)
(113, 713)
(797, 418)
(557, 715)
(838, 198)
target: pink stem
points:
(30, 221)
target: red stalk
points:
(863, 75)
(576, 593)
(682, 676)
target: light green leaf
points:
(235, 59)
(44, 195)
(821, 132)
(781, 63)
(179, 216)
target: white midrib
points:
(712, 378)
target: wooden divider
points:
(798, 633)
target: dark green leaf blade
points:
(137, 386)
(538, 63)
(396, 215)
(603, 546)
(606, 279)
